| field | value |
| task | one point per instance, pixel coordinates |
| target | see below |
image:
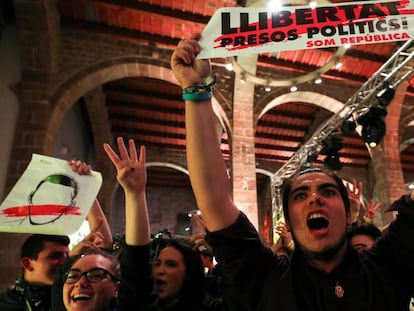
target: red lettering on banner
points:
(284, 25)
(375, 38)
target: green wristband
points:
(197, 96)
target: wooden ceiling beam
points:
(156, 9)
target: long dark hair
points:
(193, 290)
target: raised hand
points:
(371, 210)
(186, 68)
(132, 175)
(284, 233)
(131, 171)
(80, 167)
(92, 242)
(354, 194)
(198, 240)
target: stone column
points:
(243, 153)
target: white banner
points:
(242, 31)
(49, 198)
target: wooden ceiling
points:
(152, 112)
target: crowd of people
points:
(330, 255)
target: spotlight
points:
(333, 162)
(385, 96)
(373, 126)
(348, 127)
(331, 147)
(332, 144)
(311, 158)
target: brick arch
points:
(83, 82)
(87, 82)
(179, 168)
(317, 99)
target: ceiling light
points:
(229, 66)
(293, 88)
(318, 80)
(338, 65)
(268, 88)
(313, 4)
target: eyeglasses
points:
(93, 275)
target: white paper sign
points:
(49, 198)
(242, 31)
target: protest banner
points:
(49, 198)
(242, 30)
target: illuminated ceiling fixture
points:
(313, 4)
(229, 66)
(331, 147)
(293, 88)
(268, 88)
(338, 65)
(318, 80)
(373, 125)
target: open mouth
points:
(159, 282)
(80, 297)
(317, 221)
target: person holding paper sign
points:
(43, 255)
(324, 272)
(94, 282)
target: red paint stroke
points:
(302, 29)
(41, 210)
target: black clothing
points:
(140, 294)
(380, 279)
(25, 297)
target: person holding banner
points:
(324, 272)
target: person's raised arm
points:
(132, 176)
(208, 173)
(96, 217)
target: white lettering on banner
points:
(238, 31)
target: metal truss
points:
(390, 75)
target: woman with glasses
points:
(93, 282)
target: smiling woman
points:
(92, 283)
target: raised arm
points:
(98, 223)
(132, 176)
(208, 173)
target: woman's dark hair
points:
(193, 290)
(287, 185)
